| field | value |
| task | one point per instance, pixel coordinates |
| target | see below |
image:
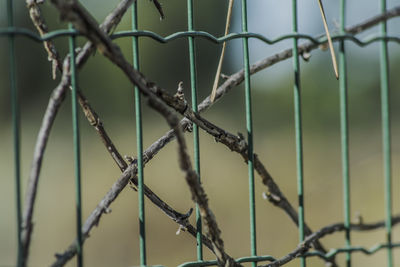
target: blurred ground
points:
(224, 174)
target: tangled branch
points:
(158, 100)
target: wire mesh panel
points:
(206, 233)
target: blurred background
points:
(224, 174)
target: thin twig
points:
(221, 58)
(97, 124)
(159, 8)
(305, 246)
(40, 24)
(328, 36)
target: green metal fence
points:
(256, 257)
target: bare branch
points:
(239, 145)
(130, 174)
(55, 101)
(238, 77)
(102, 207)
(107, 49)
(117, 187)
(233, 142)
(41, 26)
(58, 95)
(237, 80)
(95, 121)
(158, 97)
(198, 194)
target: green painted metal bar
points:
(386, 138)
(344, 130)
(196, 141)
(298, 128)
(77, 154)
(139, 142)
(249, 126)
(15, 111)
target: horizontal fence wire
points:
(15, 31)
(12, 32)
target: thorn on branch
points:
(188, 127)
(180, 228)
(159, 8)
(129, 159)
(274, 199)
(242, 143)
(359, 218)
(336, 22)
(306, 55)
(323, 46)
(31, 3)
(133, 186)
(179, 92)
(185, 216)
(183, 221)
(224, 76)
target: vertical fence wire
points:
(298, 127)
(15, 110)
(344, 130)
(249, 126)
(386, 142)
(196, 143)
(139, 142)
(77, 157)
